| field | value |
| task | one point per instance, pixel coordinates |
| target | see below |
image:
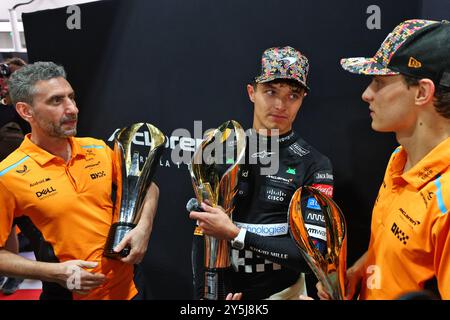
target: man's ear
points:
(24, 110)
(425, 92)
(251, 92)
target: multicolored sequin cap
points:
(283, 63)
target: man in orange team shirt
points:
(47, 186)
(409, 95)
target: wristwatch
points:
(239, 242)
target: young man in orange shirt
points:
(58, 188)
(409, 95)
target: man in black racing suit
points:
(266, 260)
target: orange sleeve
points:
(441, 236)
(7, 208)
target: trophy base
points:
(116, 234)
(217, 283)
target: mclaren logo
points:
(92, 165)
(414, 63)
(408, 217)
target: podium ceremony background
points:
(173, 62)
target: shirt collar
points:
(435, 162)
(42, 156)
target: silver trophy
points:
(214, 171)
(132, 182)
(329, 265)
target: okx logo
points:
(97, 175)
(399, 233)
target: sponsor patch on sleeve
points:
(324, 188)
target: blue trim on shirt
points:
(4, 171)
(439, 198)
(93, 146)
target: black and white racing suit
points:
(270, 260)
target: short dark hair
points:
(22, 83)
(15, 61)
(441, 96)
(294, 84)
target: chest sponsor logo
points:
(298, 150)
(426, 197)
(316, 231)
(279, 179)
(425, 173)
(324, 188)
(245, 173)
(315, 217)
(408, 217)
(97, 175)
(275, 195)
(23, 170)
(39, 182)
(263, 154)
(45, 192)
(92, 165)
(324, 176)
(271, 230)
(291, 171)
(399, 234)
(312, 204)
(288, 137)
(90, 154)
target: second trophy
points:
(214, 171)
(133, 181)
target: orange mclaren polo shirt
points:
(68, 204)
(410, 240)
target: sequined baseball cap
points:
(283, 63)
(417, 48)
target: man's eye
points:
(294, 96)
(270, 92)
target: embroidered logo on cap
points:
(413, 63)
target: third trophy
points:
(329, 262)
